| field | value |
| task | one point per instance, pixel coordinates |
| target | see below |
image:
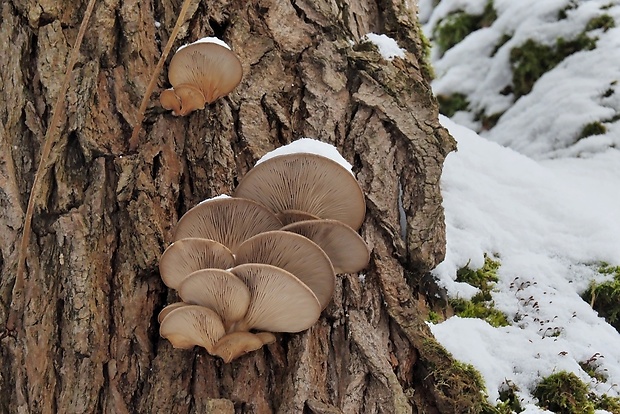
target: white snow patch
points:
(207, 40)
(387, 46)
(217, 197)
(311, 146)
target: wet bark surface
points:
(87, 337)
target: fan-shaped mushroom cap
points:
(210, 67)
(295, 254)
(346, 249)
(280, 302)
(292, 216)
(229, 221)
(187, 255)
(165, 311)
(192, 325)
(169, 100)
(218, 290)
(236, 344)
(306, 182)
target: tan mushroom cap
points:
(280, 302)
(218, 290)
(229, 221)
(292, 216)
(185, 256)
(192, 325)
(165, 311)
(295, 254)
(191, 98)
(306, 182)
(346, 249)
(169, 100)
(212, 68)
(236, 344)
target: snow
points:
(387, 46)
(550, 118)
(217, 197)
(207, 40)
(312, 146)
(551, 223)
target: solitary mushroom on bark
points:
(295, 254)
(306, 182)
(229, 221)
(199, 74)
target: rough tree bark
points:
(88, 338)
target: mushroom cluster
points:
(264, 260)
(200, 73)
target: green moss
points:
(563, 13)
(604, 21)
(434, 317)
(531, 60)
(454, 383)
(457, 26)
(451, 104)
(593, 128)
(481, 305)
(502, 41)
(605, 297)
(564, 392)
(591, 367)
(605, 402)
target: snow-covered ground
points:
(548, 121)
(546, 204)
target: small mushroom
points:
(292, 216)
(199, 74)
(279, 301)
(229, 221)
(295, 254)
(170, 100)
(219, 290)
(236, 344)
(192, 325)
(346, 249)
(190, 254)
(165, 311)
(306, 182)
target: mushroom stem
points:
(238, 326)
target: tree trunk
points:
(87, 339)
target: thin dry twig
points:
(135, 135)
(50, 139)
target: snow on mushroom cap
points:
(306, 182)
(187, 326)
(190, 254)
(207, 40)
(218, 290)
(295, 254)
(309, 146)
(346, 249)
(229, 221)
(280, 302)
